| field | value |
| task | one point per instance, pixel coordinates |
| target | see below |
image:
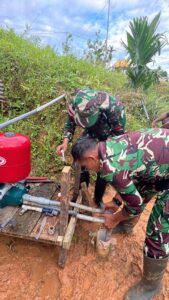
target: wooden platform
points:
(27, 226)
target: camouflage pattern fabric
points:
(137, 165)
(99, 113)
(157, 236)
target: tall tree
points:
(143, 43)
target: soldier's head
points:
(86, 106)
(85, 153)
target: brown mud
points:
(29, 271)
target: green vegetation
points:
(143, 43)
(98, 51)
(33, 75)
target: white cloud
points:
(83, 18)
(89, 27)
(88, 4)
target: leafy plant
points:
(67, 45)
(98, 51)
(143, 43)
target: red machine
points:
(15, 157)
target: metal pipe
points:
(90, 219)
(40, 205)
(71, 212)
(47, 202)
(46, 210)
(32, 112)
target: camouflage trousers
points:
(157, 234)
(156, 244)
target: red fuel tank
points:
(15, 157)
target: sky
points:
(52, 20)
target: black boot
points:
(151, 284)
(126, 226)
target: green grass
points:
(33, 75)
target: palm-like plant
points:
(143, 43)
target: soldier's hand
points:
(60, 148)
(111, 221)
(113, 205)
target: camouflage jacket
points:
(133, 158)
(111, 121)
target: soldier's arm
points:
(69, 130)
(116, 117)
(160, 118)
(133, 200)
(70, 126)
(133, 204)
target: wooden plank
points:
(23, 224)
(77, 182)
(63, 220)
(58, 242)
(6, 214)
(62, 257)
(51, 221)
(46, 190)
(65, 189)
(71, 227)
(26, 223)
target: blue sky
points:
(51, 19)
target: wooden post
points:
(63, 220)
(71, 227)
(77, 182)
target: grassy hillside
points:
(33, 75)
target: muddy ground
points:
(29, 271)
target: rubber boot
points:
(151, 283)
(126, 226)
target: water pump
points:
(15, 166)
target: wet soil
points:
(29, 270)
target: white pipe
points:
(47, 202)
(71, 212)
(32, 112)
(4, 190)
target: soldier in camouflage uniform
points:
(101, 115)
(137, 165)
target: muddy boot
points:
(150, 285)
(126, 226)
